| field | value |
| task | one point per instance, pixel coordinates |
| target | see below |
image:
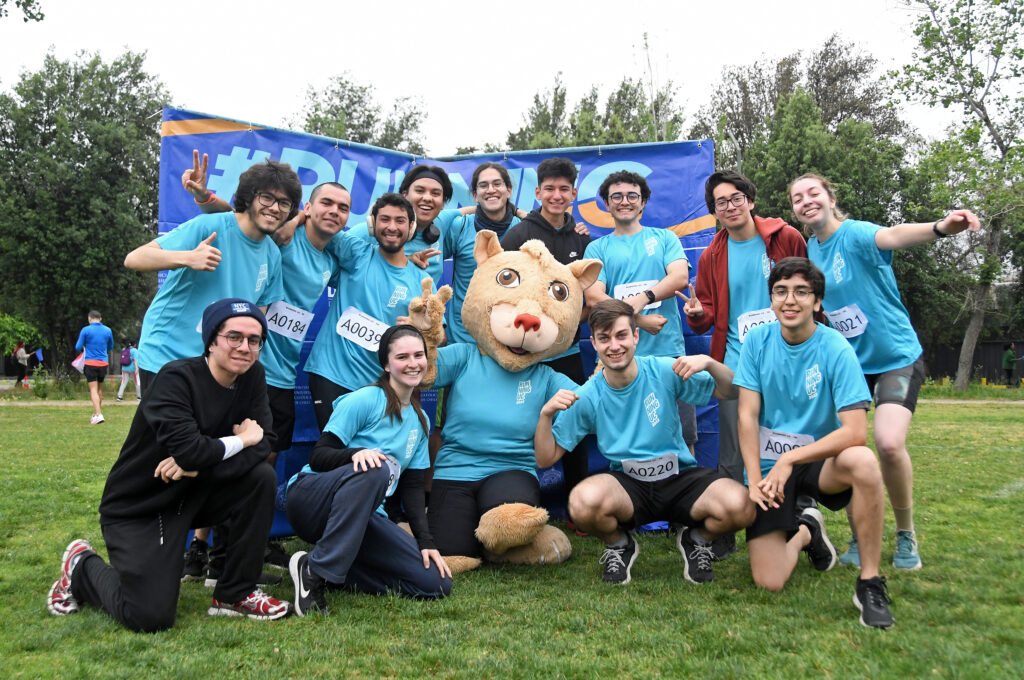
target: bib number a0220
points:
(289, 321)
(360, 328)
(652, 469)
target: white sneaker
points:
(96, 419)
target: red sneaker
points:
(60, 601)
(258, 606)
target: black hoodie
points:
(565, 244)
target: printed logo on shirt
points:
(651, 405)
(400, 294)
(812, 378)
(572, 253)
(524, 388)
(838, 264)
(650, 245)
(240, 307)
(262, 277)
(766, 265)
(327, 277)
(414, 436)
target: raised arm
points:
(906, 235)
(685, 366)
(546, 451)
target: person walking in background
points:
(21, 363)
(96, 340)
(1009, 360)
(130, 370)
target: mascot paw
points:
(549, 546)
(510, 525)
(460, 564)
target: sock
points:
(698, 538)
(621, 543)
(904, 518)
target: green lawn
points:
(962, 616)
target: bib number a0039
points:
(850, 320)
(360, 328)
(289, 321)
(757, 317)
(775, 443)
(625, 290)
(652, 469)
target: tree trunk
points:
(979, 297)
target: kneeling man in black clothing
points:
(195, 456)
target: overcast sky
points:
(475, 66)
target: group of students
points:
(211, 414)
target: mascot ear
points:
(585, 271)
(487, 246)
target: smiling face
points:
(234, 361)
(427, 198)
(556, 195)
(407, 362)
(794, 303)
(624, 211)
(392, 228)
(735, 218)
(327, 211)
(811, 203)
(492, 193)
(268, 218)
(616, 345)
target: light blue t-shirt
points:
(492, 413)
(632, 264)
(358, 420)
(861, 297)
(445, 243)
(248, 269)
(96, 340)
(134, 366)
(370, 295)
(803, 386)
(639, 421)
(749, 269)
(306, 272)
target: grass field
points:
(962, 616)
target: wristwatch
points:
(650, 296)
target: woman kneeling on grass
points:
(863, 303)
(375, 441)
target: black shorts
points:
(802, 482)
(898, 386)
(282, 412)
(95, 373)
(669, 499)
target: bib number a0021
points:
(652, 469)
(360, 328)
(625, 290)
(850, 320)
(775, 443)
(288, 321)
(752, 319)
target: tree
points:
(345, 109)
(13, 329)
(970, 54)
(79, 158)
(29, 8)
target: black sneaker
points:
(872, 599)
(696, 557)
(723, 546)
(275, 556)
(820, 551)
(309, 588)
(618, 561)
(196, 559)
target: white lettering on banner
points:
(624, 290)
(757, 317)
(652, 469)
(288, 321)
(360, 328)
(850, 320)
(775, 443)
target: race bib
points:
(758, 317)
(287, 320)
(360, 328)
(624, 290)
(652, 469)
(849, 320)
(394, 472)
(775, 443)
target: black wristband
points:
(935, 228)
(651, 297)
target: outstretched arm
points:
(906, 235)
(152, 257)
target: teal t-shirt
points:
(749, 269)
(134, 366)
(639, 421)
(632, 264)
(248, 269)
(861, 297)
(306, 272)
(370, 294)
(492, 413)
(443, 222)
(802, 387)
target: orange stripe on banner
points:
(202, 126)
(692, 226)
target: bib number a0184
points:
(625, 290)
(652, 469)
(850, 320)
(757, 317)
(775, 443)
(289, 321)
(360, 328)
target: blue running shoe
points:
(852, 555)
(906, 556)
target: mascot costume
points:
(522, 307)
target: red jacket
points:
(780, 240)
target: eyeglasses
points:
(494, 184)
(736, 200)
(780, 293)
(235, 339)
(267, 200)
(619, 197)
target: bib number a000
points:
(288, 321)
(775, 443)
(652, 469)
(360, 328)
(850, 320)
(625, 290)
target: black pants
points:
(146, 379)
(139, 588)
(323, 392)
(574, 463)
